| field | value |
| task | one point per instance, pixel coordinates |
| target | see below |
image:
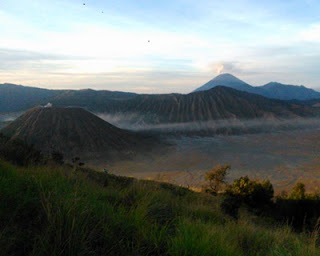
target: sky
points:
(163, 46)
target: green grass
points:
(61, 211)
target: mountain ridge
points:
(15, 98)
(215, 104)
(274, 90)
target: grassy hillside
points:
(59, 211)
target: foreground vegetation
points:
(68, 211)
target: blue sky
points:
(158, 46)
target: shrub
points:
(251, 192)
(57, 157)
(300, 209)
(254, 194)
(19, 152)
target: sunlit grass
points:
(57, 211)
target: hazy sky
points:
(158, 46)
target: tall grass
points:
(56, 211)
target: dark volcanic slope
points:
(226, 80)
(89, 98)
(215, 104)
(72, 130)
(14, 98)
(287, 92)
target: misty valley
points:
(178, 138)
(283, 151)
(282, 157)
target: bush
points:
(230, 205)
(251, 192)
(57, 157)
(300, 209)
(19, 152)
(243, 191)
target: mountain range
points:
(14, 98)
(217, 103)
(241, 102)
(272, 90)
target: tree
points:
(216, 179)
(298, 191)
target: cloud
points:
(7, 54)
(311, 34)
(84, 49)
(138, 122)
(133, 80)
(23, 61)
(226, 67)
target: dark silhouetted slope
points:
(287, 92)
(215, 104)
(15, 98)
(89, 98)
(271, 90)
(72, 130)
(226, 80)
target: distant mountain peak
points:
(274, 90)
(225, 79)
(277, 84)
(226, 75)
(288, 92)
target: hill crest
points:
(71, 131)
